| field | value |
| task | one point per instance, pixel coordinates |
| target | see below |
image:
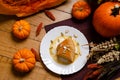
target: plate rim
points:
(48, 66)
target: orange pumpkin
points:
(81, 10)
(24, 60)
(106, 19)
(21, 29)
(23, 8)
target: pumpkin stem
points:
(20, 28)
(22, 60)
(115, 10)
(81, 9)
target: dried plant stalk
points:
(111, 56)
(102, 47)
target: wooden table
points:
(9, 44)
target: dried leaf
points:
(50, 15)
(39, 29)
(37, 55)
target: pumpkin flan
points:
(66, 51)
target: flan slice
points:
(66, 51)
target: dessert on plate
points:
(66, 51)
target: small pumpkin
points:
(24, 60)
(106, 19)
(81, 10)
(21, 29)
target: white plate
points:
(58, 68)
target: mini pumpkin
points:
(24, 60)
(21, 29)
(81, 10)
(106, 19)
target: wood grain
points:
(9, 44)
(38, 73)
